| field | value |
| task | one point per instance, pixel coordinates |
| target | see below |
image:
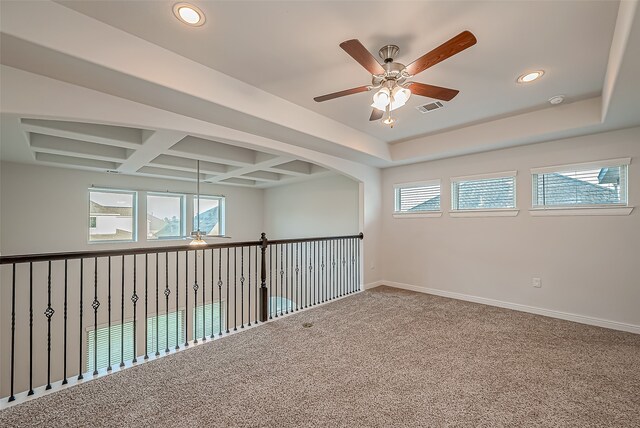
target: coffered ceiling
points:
(238, 91)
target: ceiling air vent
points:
(430, 107)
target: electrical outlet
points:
(536, 282)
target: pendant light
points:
(197, 234)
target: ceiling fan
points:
(391, 78)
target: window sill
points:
(485, 213)
(418, 214)
(540, 212)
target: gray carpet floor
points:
(381, 358)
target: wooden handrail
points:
(26, 258)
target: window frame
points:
(134, 215)
(484, 212)
(621, 208)
(221, 214)
(183, 216)
(416, 214)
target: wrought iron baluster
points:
(249, 287)
(30, 329)
(186, 298)
(13, 329)
(64, 353)
(297, 275)
(359, 264)
(235, 289)
(220, 292)
(286, 279)
(95, 305)
(281, 277)
(109, 368)
(167, 292)
(257, 285)
(227, 312)
(49, 313)
(323, 252)
(177, 300)
(157, 309)
(146, 306)
(204, 289)
(336, 287)
(270, 282)
(241, 287)
(134, 299)
(121, 317)
(80, 327)
(195, 295)
(212, 295)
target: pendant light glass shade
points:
(381, 99)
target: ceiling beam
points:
(154, 142)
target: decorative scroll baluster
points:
(157, 311)
(80, 327)
(49, 313)
(146, 306)
(95, 305)
(109, 368)
(297, 275)
(281, 277)
(241, 287)
(177, 300)
(257, 285)
(167, 292)
(134, 299)
(204, 289)
(195, 295)
(13, 329)
(220, 292)
(235, 289)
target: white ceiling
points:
(245, 81)
(290, 49)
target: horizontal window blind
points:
(209, 327)
(417, 198)
(122, 340)
(590, 186)
(488, 193)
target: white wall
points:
(44, 209)
(589, 265)
(323, 207)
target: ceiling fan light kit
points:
(390, 79)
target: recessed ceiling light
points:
(558, 99)
(189, 14)
(530, 77)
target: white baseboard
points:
(375, 284)
(582, 319)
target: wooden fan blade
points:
(376, 115)
(358, 52)
(456, 45)
(341, 93)
(444, 94)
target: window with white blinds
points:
(417, 197)
(484, 192)
(122, 339)
(581, 185)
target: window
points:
(112, 215)
(165, 217)
(211, 217)
(417, 197)
(122, 335)
(484, 192)
(581, 185)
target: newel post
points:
(264, 292)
